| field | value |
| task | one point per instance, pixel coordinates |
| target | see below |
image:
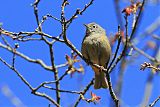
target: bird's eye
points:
(94, 26)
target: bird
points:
(96, 49)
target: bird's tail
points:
(100, 80)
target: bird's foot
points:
(101, 68)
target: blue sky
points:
(19, 16)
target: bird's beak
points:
(85, 25)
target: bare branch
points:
(66, 91)
(37, 61)
(79, 12)
(5, 41)
(148, 65)
(118, 46)
(114, 97)
(51, 82)
(143, 53)
(118, 13)
(84, 92)
(49, 15)
(35, 5)
(27, 83)
(137, 21)
(14, 55)
(154, 102)
(18, 74)
(155, 36)
(56, 77)
(18, 36)
(46, 97)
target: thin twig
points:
(35, 5)
(14, 56)
(113, 95)
(115, 99)
(155, 36)
(66, 91)
(29, 39)
(5, 41)
(61, 65)
(148, 65)
(131, 36)
(55, 73)
(37, 61)
(40, 23)
(118, 13)
(27, 83)
(137, 21)
(143, 53)
(19, 75)
(117, 48)
(49, 15)
(154, 102)
(18, 36)
(44, 19)
(84, 92)
(47, 97)
(79, 12)
(124, 49)
(51, 82)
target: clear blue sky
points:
(19, 16)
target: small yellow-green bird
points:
(96, 48)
